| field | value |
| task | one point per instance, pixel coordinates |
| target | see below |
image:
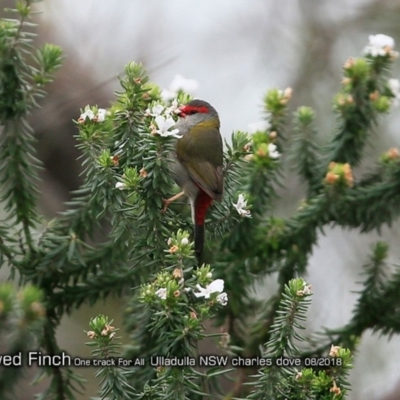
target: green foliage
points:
(127, 152)
(305, 150)
(282, 381)
(22, 318)
(179, 307)
(19, 90)
(114, 380)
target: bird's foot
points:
(167, 202)
(166, 205)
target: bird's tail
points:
(198, 240)
(199, 209)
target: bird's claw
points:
(166, 204)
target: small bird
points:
(197, 166)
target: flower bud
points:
(305, 115)
(382, 104)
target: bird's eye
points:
(191, 112)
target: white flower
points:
(87, 114)
(164, 124)
(120, 185)
(259, 126)
(285, 95)
(101, 115)
(216, 286)
(162, 293)
(189, 86)
(380, 45)
(173, 109)
(222, 299)
(394, 86)
(185, 241)
(241, 207)
(272, 152)
(381, 40)
(155, 111)
(306, 291)
(209, 275)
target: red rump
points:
(203, 202)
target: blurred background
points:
(235, 50)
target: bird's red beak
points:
(182, 111)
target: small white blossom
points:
(162, 293)
(101, 115)
(173, 109)
(155, 111)
(394, 86)
(216, 286)
(241, 207)
(185, 241)
(87, 114)
(209, 275)
(164, 124)
(334, 351)
(285, 94)
(272, 152)
(222, 299)
(120, 185)
(260, 126)
(380, 45)
(306, 291)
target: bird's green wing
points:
(200, 152)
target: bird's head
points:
(196, 112)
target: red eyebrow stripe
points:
(199, 109)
